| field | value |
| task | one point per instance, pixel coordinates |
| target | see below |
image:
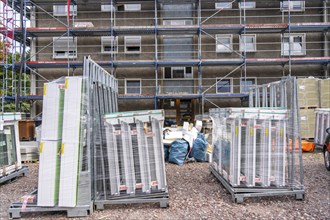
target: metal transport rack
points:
(257, 150)
(135, 171)
(10, 155)
(17, 209)
(321, 124)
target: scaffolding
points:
(205, 20)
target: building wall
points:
(268, 46)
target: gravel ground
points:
(197, 194)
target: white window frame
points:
(285, 6)
(242, 45)
(241, 85)
(73, 10)
(223, 5)
(108, 41)
(185, 74)
(177, 22)
(292, 45)
(231, 80)
(66, 54)
(133, 79)
(217, 43)
(132, 7)
(247, 5)
(126, 38)
(108, 8)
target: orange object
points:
(307, 146)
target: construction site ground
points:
(196, 194)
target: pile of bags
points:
(192, 147)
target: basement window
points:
(109, 44)
(247, 5)
(132, 7)
(247, 42)
(292, 6)
(133, 86)
(223, 5)
(62, 10)
(224, 43)
(247, 83)
(64, 47)
(133, 44)
(108, 8)
(293, 44)
(225, 85)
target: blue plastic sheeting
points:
(199, 148)
(178, 152)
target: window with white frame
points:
(64, 47)
(177, 22)
(225, 85)
(109, 44)
(293, 44)
(132, 7)
(293, 6)
(224, 43)
(247, 83)
(178, 72)
(247, 5)
(223, 5)
(247, 42)
(133, 86)
(62, 10)
(108, 8)
(133, 44)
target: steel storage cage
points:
(133, 170)
(322, 122)
(257, 150)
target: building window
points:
(224, 43)
(133, 86)
(178, 48)
(224, 85)
(133, 44)
(177, 22)
(293, 6)
(179, 72)
(247, 42)
(64, 47)
(247, 83)
(109, 44)
(223, 5)
(246, 5)
(132, 7)
(62, 10)
(108, 8)
(293, 44)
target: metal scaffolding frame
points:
(26, 35)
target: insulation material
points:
(249, 149)
(52, 114)
(10, 156)
(307, 123)
(324, 89)
(322, 122)
(29, 151)
(51, 137)
(70, 142)
(134, 163)
(308, 92)
(49, 172)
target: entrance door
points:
(178, 111)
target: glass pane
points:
(178, 72)
(133, 87)
(223, 86)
